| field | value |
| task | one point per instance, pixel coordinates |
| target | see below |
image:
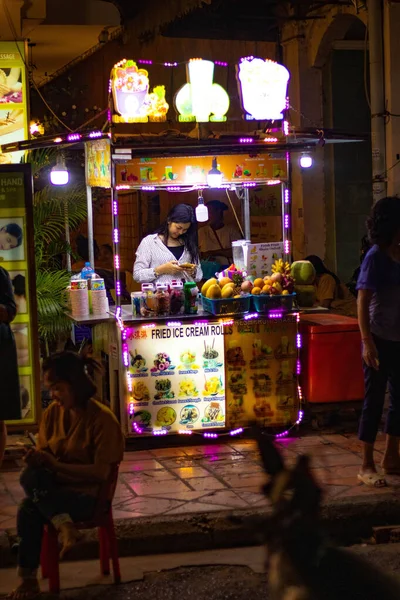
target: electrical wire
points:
(235, 214)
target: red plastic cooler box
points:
(331, 366)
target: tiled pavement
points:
(177, 481)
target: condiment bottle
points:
(177, 299)
(148, 300)
(162, 299)
(191, 292)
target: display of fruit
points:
(208, 284)
(246, 286)
(256, 291)
(306, 295)
(214, 292)
(281, 266)
(224, 281)
(227, 291)
(303, 272)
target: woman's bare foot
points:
(69, 536)
(27, 590)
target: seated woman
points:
(79, 439)
(331, 293)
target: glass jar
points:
(148, 300)
(177, 299)
(162, 300)
(191, 293)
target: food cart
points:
(203, 374)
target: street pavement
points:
(221, 477)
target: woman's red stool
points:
(103, 521)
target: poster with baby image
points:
(177, 376)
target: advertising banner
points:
(193, 170)
(178, 377)
(13, 98)
(98, 163)
(17, 257)
(261, 372)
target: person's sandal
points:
(372, 480)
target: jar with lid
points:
(148, 300)
(177, 299)
(191, 293)
(162, 299)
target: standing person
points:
(172, 252)
(10, 402)
(79, 441)
(379, 319)
(215, 238)
(330, 291)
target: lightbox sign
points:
(133, 101)
(200, 99)
(263, 88)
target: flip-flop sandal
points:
(372, 480)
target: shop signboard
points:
(172, 171)
(261, 372)
(201, 99)
(261, 257)
(98, 163)
(13, 98)
(263, 88)
(17, 257)
(177, 376)
(133, 101)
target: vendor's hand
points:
(170, 268)
(370, 354)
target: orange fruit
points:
(224, 281)
(259, 283)
(256, 291)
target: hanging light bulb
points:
(306, 161)
(214, 176)
(201, 210)
(59, 175)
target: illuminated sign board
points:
(263, 88)
(200, 99)
(133, 101)
(13, 98)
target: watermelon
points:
(305, 295)
(303, 272)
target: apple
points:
(246, 287)
(276, 277)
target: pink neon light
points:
(109, 116)
(116, 236)
(145, 62)
(148, 326)
(131, 408)
(251, 316)
(287, 221)
(271, 140)
(287, 196)
(298, 367)
(173, 188)
(211, 436)
(126, 358)
(118, 287)
(115, 207)
(95, 134)
(174, 324)
(298, 340)
(185, 432)
(148, 188)
(248, 140)
(160, 432)
(248, 184)
(109, 86)
(170, 64)
(287, 247)
(221, 63)
(73, 137)
(136, 427)
(236, 431)
(116, 261)
(277, 314)
(286, 127)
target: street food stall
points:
(181, 361)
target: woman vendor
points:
(331, 292)
(172, 252)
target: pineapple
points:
(237, 279)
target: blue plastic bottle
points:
(87, 272)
